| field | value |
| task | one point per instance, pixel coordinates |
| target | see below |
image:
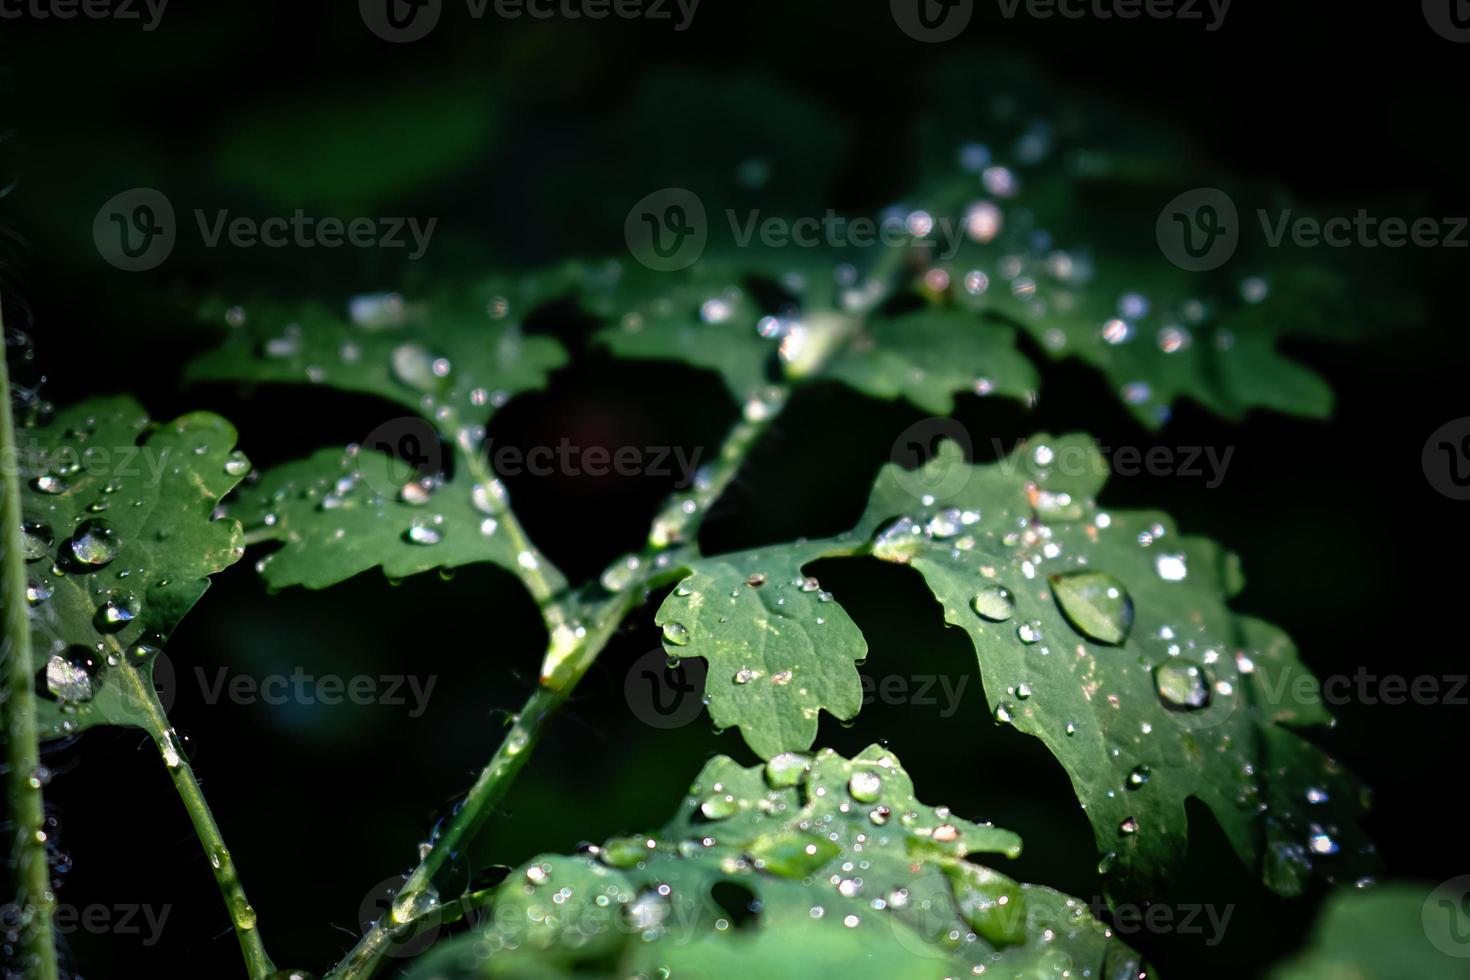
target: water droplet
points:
(145, 649)
(792, 854)
(1128, 826)
(756, 580)
(425, 530)
(36, 540)
(38, 592)
(237, 464)
(719, 807)
(415, 366)
(865, 786)
(1171, 568)
(622, 573)
(995, 603)
(50, 483)
(95, 542)
(786, 769)
(69, 675)
(1096, 604)
(1182, 685)
(1138, 777)
(676, 633)
(118, 610)
(1029, 632)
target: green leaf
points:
(877, 880)
(452, 360)
(1394, 931)
(710, 319)
(342, 512)
(927, 357)
(1105, 633)
(1147, 697)
(779, 649)
(121, 541)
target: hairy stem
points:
(242, 915)
(23, 753)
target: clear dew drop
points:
(1138, 777)
(95, 542)
(36, 540)
(413, 365)
(676, 633)
(786, 769)
(69, 675)
(117, 611)
(145, 649)
(1182, 685)
(1128, 827)
(1096, 605)
(995, 603)
(237, 464)
(1171, 568)
(38, 592)
(50, 483)
(425, 530)
(865, 786)
(719, 806)
(1029, 632)
(621, 574)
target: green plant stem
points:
(565, 667)
(23, 752)
(242, 915)
(568, 658)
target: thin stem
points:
(242, 915)
(23, 752)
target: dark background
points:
(1344, 542)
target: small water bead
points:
(145, 649)
(489, 497)
(1182, 685)
(676, 633)
(1171, 568)
(118, 610)
(1096, 604)
(756, 580)
(1138, 777)
(720, 806)
(237, 464)
(1317, 796)
(995, 603)
(1029, 632)
(416, 493)
(50, 483)
(36, 540)
(865, 786)
(95, 542)
(1128, 827)
(622, 573)
(38, 592)
(1005, 712)
(744, 676)
(425, 530)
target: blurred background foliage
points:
(529, 142)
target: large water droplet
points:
(1096, 604)
(1182, 685)
(50, 483)
(865, 786)
(676, 633)
(95, 542)
(425, 530)
(791, 854)
(69, 675)
(995, 603)
(786, 769)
